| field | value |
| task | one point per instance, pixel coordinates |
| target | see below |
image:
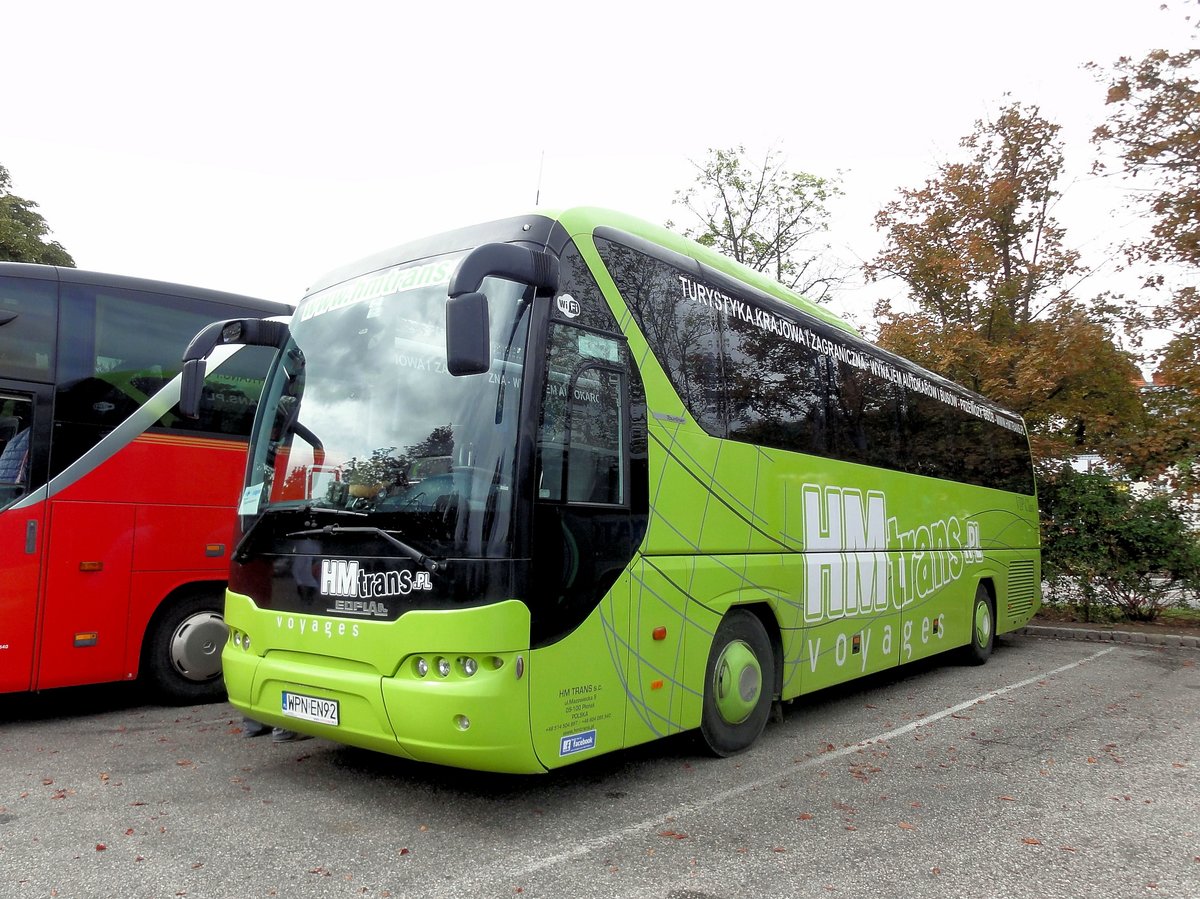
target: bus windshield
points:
(363, 427)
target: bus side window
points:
(583, 429)
(29, 313)
(596, 436)
(15, 420)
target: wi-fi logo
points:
(568, 305)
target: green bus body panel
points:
(730, 525)
(854, 569)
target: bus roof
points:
(67, 275)
(539, 225)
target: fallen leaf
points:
(805, 816)
(778, 849)
(100, 847)
(904, 825)
(1007, 798)
(1031, 841)
(673, 835)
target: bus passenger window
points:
(16, 416)
(28, 321)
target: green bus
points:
(548, 487)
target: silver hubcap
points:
(196, 646)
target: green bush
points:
(1121, 550)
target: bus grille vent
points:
(1020, 588)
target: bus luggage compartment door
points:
(84, 624)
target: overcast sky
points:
(251, 146)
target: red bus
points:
(116, 514)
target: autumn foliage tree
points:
(1154, 128)
(766, 217)
(989, 289)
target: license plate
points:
(311, 708)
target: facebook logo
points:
(577, 743)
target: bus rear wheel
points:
(182, 653)
(738, 683)
(983, 628)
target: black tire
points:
(741, 660)
(181, 655)
(983, 628)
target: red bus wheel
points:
(182, 652)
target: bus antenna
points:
(537, 196)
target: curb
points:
(1105, 636)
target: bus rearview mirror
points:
(468, 342)
(240, 331)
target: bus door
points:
(25, 428)
(582, 545)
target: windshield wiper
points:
(239, 551)
(331, 510)
(331, 530)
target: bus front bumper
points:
(431, 712)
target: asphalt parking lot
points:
(1058, 769)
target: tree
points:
(992, 280)
(1154, 127)
(23, 231)
(765, 217)
(1133, 552)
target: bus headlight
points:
(469, 665)
(443, 667)
(422, 667)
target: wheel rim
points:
(737, 682)
(983, 623)
(196, 646)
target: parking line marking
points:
(600, 842)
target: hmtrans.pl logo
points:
(362, 589)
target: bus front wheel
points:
(182, 652)
(738, 683)
(983, 628)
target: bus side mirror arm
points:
(507, 261)
(468, 341)
(241, 331)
